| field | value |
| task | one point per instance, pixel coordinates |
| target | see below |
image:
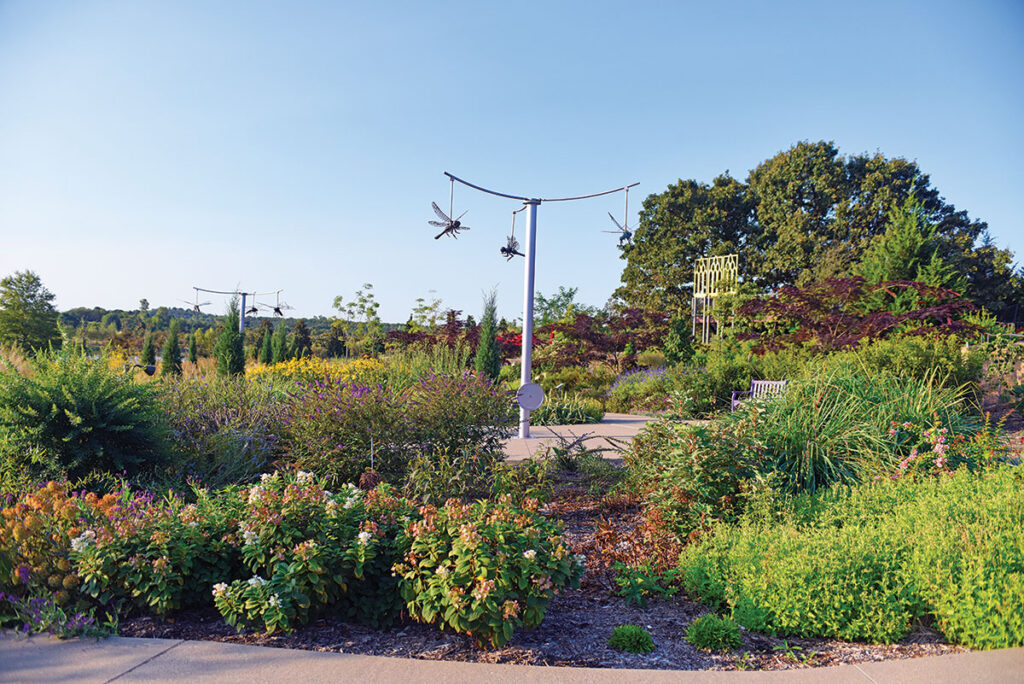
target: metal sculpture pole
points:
(241, 312)
(531, 205)
(528, 278)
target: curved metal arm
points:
(546, 199)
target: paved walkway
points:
(618, 426)
(40, 659)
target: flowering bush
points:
(485, 568)
(310, 551)
(310, 369)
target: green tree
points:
(365, 332)
(302, 341)
(27, 316)
(688, 221)
(804, 215)
(148, 356)
(230, 350)
(267, 347)
(679, 341)
(258, 337)
(280, 344)
(170, 362)
(426, 315)
(193, 348)
(488, 353)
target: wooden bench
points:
(759, 389)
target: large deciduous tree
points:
(805, 215)
(27, 316)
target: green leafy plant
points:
(713, 633)
(436, 478)
(560, 409)
(486, 568)
(632, 638)
(639, 583)
(72, 415)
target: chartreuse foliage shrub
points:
(632, 638)
(280, 553)
(714, 633)
(70, 416)
(867, 562)
(486, 568)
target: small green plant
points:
(632, 638)
(638, 583)
(713, 633)
(43, 614)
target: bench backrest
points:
(766, 388)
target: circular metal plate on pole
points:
(530, 396)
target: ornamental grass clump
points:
(486, 568)
(632, 638)
(713, 633)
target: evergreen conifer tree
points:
(280, 345)
(488, 354)
(193, 348)
(148, 356)
(302, 342)
(267, 348)
(679, 341)
(170, 363)
(230, 350)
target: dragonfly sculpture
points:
(451, 226)
(623, 232)
(511, 249)
(196, 304)
(279, 307)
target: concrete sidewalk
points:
(40, 659)
(618, 426)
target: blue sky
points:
(146, 147)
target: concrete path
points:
(40, 659)
(619, 426)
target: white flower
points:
(442, 571)
(219, 588)
(274, 601)
(531, 554)
(266, 477)
(331, 506)
(302, 477)
(364, 537)
(348, 503)
(255, 493)
(83, 541)
(248, 536)
(256, 581)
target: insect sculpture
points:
(196, 304)
(624, 233)
(511, 249)
(279, 307)
(451, 226)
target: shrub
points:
(639, 583)
(338, 430)
(485, 569)
(223, 430)
(75, 416)
(632, 638)
(458, 413)
(638, 390)
(865, 563)
(469, 475)
(714, 633)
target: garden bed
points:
(577, 624)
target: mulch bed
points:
(578, 622)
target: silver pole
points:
(528, 272)
(241, 318)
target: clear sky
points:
(146, 147)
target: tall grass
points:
(834, 427)
(407, 366)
